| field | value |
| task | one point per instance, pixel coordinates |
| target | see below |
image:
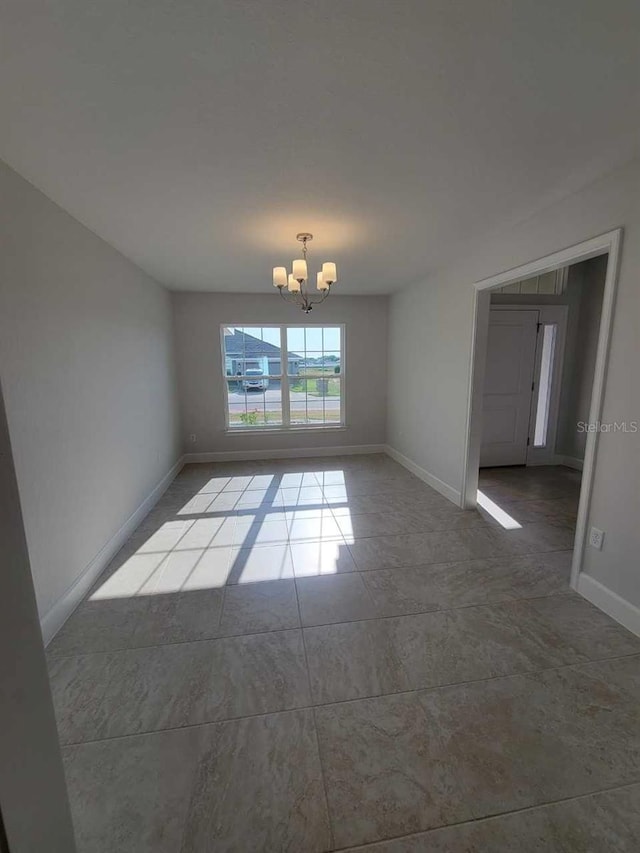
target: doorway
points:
(522, 383)
(525, 413)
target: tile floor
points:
(320, 654)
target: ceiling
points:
(198, 136)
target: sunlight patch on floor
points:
(502, 517)
(245, 529)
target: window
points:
(283, 377)
(554, 282)
(543, 402)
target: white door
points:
(506, 404)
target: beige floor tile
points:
(260, 563)
(334, 598)
(310, 529)
(114, 807)
(252, 784)
(435, 586)
(415, 549)
(140, 690)
(385, 770)
(253, 607)
(260, 532)
(190, 640)
(608, 821)
(321, 558)
(354, 659)
(575, 626)
(529, 739)
(368, 658)
(98, 626)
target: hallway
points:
(317, 654)
(536, 493)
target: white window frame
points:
(283, 377)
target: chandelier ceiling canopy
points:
(293, 286)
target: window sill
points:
(282, 430)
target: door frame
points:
(610, 244)
(547, 314)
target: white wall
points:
(87, 367)
(430, 329)
(586, 289)
(197, 319)
(33, 794)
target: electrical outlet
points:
(192, 438)
(596, 538)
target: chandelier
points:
(293, 287)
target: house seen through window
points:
(283, 377)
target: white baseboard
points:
(610, 602)
(58, 614)
(430, 479)
(288, 453)
(569, 462)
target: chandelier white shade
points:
(293, 286)
(300, 270)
